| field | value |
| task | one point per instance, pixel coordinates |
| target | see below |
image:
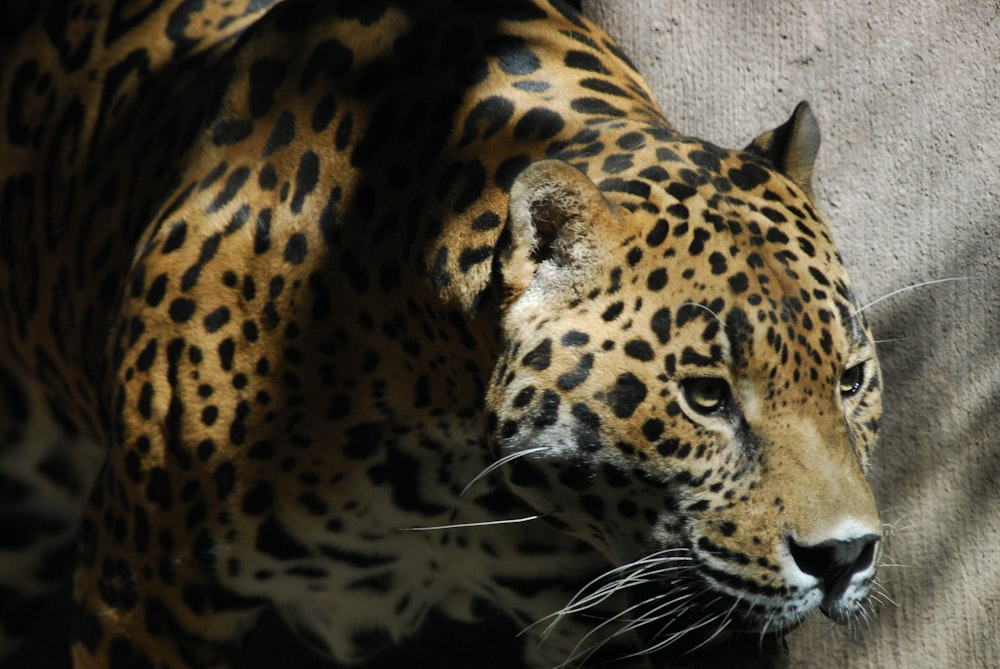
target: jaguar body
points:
(357, 310)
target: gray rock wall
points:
(908, 98)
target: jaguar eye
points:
(851, 380)
(706, 395)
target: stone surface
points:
(908, 98)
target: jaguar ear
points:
(556, 217)
(792, 147)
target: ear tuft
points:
(792, 147)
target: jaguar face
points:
(688, 387)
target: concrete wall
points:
(908, 98)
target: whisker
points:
(906, 288)
(500, 463)
(639, 567)
(505, 521)
(883, 594)
(702, 306)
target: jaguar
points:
(358, 310)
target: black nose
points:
(834, 562)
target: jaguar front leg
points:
(146, 592)
(46, 470)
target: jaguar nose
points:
(835, 562)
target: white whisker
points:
(506, 521)
(702, 306)
(890, 341)
(906, 288)
(499, 463)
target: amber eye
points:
(706, 395)
(851, 380)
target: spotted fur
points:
(386, 306)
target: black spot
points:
(639, 349)
(661, 323)
(513, 54)
(508, 170)
(258, 499)
(658, 234)
(157, 291)
(363, 440)
(577, 475)
(581, 60)
(323, 112)
(209, 247)
(274, 540)
(571, 380)
(508, 429)
(773, 214)
(681, 191)
(296, 249)
(268, 178)
(626, 395)
(158, 489)
(178, 232)
(227, 348)
(306, 178)
(692, 357)
(145, 403)
(652, 429)
(776, 236)
(705, 160)
(596, 107)
(215, 320)
(718, 263)
(342, 138)
(631, 186)
(700, 236)
(471, 257)
(616, 163)
(266, 76)
(486, 118)
(539, 123)
(586, 416)
(548, 409)
(225, 479)
(330, 58)
(748, 177)
(401, 474)
(231, 131)
(145, 359)
(739, 282)
(234, 183)
(540, 357)
(657, 279)
(613, 311)
(524, 397)
(632, 141)
(668, 447)
(488, 220)
(282, 134)
(575, 338)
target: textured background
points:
(908, 98)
